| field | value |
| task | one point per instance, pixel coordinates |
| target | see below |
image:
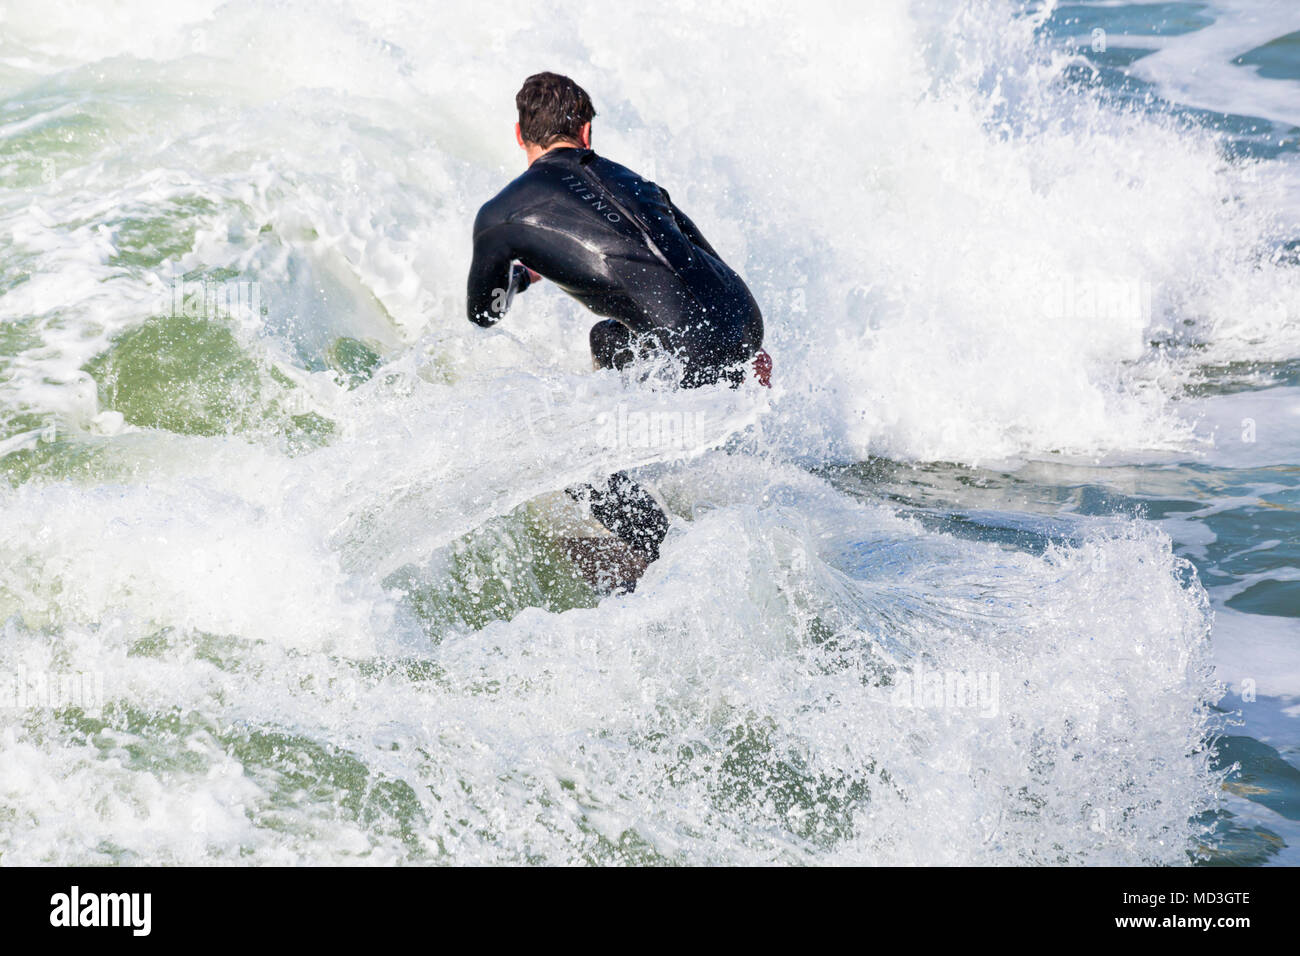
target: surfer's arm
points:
(688, 228)
(494, 277)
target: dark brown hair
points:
(552, 108)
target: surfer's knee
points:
(632, 514)
(611, 344)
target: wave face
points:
(268, 494)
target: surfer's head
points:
(553, 111)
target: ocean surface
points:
(1004, 570)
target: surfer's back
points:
(616, 242)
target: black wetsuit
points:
(616, 243)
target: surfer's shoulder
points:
(628, 182)
(530, 188)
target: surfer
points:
(616, 243)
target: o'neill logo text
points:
(102, 909)
(583, 191)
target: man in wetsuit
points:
(617, 244)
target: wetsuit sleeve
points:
(493, 280)
(688, 228)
